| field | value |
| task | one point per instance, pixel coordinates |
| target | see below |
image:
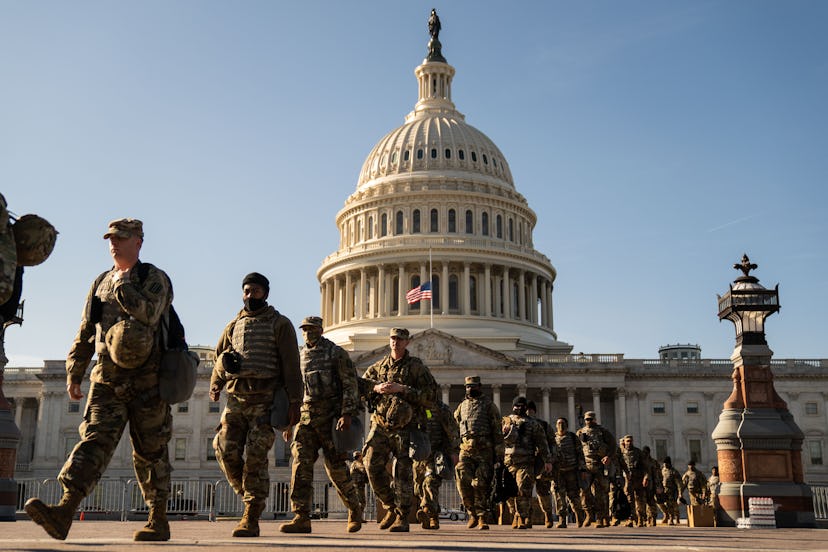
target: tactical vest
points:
(693, 482)
(320, 373)
(108, 311)
(633, 460)
(518, 440)
(434, 426)
(474, 419)
(254, 339)
(668, 479)
(593, 443)
(567, 453)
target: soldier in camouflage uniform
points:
(331, 397)
(480, 448)
(524, 440)
(696, 484)
(543, 483)
(671, 481)
(714, 485)
(569, 467)
(401, 389)
(599, 449)
(637, 477)
(654, 490)
(256, 354)
(444, 437)
(360, 478)
(120, 323)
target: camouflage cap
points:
(125, 228)
(311, 321)
(402, 333)
(472, 380)
(589, 415)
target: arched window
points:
(370, 228)
(515, 299)
(420, 153)
(406, 155)
(473, 293)
(452, 220)
(499, 226)
(469, 222)
(358, 236)
(415, 282)
(454, 295)
(461, 154)
(395, 294)
(434, 153)
(511, 230)
(398, 223)
(415, 221)
(448, 153)
(384, 225)
(435, 221)
(474, 156)
(484, 223)
(435, 291)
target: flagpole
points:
(431, 301)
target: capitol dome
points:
(435, 204)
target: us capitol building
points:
(435, 202)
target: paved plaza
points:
(191, 535)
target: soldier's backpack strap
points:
(94, 306)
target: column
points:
(547, 300)
(533, 306)
(545, 392)
(621, 402)
(337, 303)
(675, 414)
(487, 291)
(323, 294)
(373, 299)
(444, 289)
(709, 412)
(596, 404)
(18, 411)
(446, 387)
(496, 396)
(403, 288)
(521, 295)
(348, 311)
(466, 289)
(497, 291)
(570, 408)
(644, 419)
(544, 315)
(381, 302)
(507, 294)
(361, 299)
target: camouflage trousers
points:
(381, 445)
(595, 494)
(524, 475)
(567, 488)
(637, 496)
(670, 507)
(427, 484)
(543, 486)
(104, 421)
(473, 476)
(697, 498)
(314, 433)
(242, 442)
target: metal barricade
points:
(226, 503)
(107, 498)
(820, 502)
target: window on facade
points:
(214, 407)
(461, 154)
(469, 222)
(474, 156)
(448, 153)
(695, 450)
(420, 153)
(511, 230)
(452, 220)
(398, 223)
(358, 236)
(693, 407)
(73, 407)
(494, 161)
(183, 407)
(660, 449)
(406, 155)
(395, 293)
(384, 225)
(811, 409)
(211, 452)
(435, 291)
(415, 222)
(484, 224)
(454, 295)
(499, 226)
(180, 448)
(659, 407)
(815, 452)
(370, 228)
(485, 159)
(394, 157)
(434, 153)
(473, 293)
(435, 221)
(515, 298)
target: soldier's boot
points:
(300, 523)
(524, 522)
(587, 519)
(652, 521)
(600, 523)
(55, 520)
(388, 520)
(515, 520)
(481, 523)
(473, 521)
(400, 524)
(561, 521)
(157, 527)
(355, 520)
(547, 509)
(424, 518)
(434, 522)
(630, 523)
(249, 524)
(580, 515)
(665, 520)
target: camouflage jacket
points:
(670, 479)
(634, 464)
(694, 481)
(597, 442)
(421, 389)
(480, 426)
(443, 431)
(143, 295)
(570, 453)
(525, 439)
(266, 343)
(329, 379)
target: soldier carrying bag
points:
(179, 365)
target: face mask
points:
(252, 304)
(519, 410)
(474, 393)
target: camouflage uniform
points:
(269, 358)
(394, 416)
(360, 478)
(635, 468)
(525, 440)
(444, 436)
(543, 483)
(119, 395)
(8, 255)
(481, 446)
(597, 442)
(696, 484)
(330, 383)
(568, 469)
(654, 490)
(713, 487)
(671, 481)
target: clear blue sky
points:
(656, 141)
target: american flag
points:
(418, 293)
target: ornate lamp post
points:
(9, 433)
(758, 443)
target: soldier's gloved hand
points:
(294, 412)
(214, 394)
(343, 423)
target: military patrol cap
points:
(256, 278)
(472, 380)
(589, 415)
(519, 400)
(125, 228)
(402, 333)
(311, 321)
